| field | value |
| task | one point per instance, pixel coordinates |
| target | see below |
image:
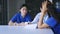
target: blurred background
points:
(9, 7)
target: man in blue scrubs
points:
(22, 17)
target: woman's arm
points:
(40, 23)
(43, 13)
(43, 26)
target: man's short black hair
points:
(24, 5)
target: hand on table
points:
(21, 24)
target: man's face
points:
(23, 11)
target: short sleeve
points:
(14, 18)
(28, 18)
(51, 22)
(36, 19)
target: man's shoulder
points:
(17, 13)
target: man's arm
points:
(11, 23)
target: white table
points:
(22, 30)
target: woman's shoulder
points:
(38, 14)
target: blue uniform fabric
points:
(18, 18)
(53, 24)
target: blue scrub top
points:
(53, 24)
(18, 18)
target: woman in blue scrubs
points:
(21, 18)
(54, 17)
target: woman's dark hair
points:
(52, 11)
(24, 5)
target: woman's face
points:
(23, 10)
(44, 6)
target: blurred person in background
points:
(21, 18)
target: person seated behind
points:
(21, 17)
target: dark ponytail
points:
(52, 12)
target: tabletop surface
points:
(23, 30)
